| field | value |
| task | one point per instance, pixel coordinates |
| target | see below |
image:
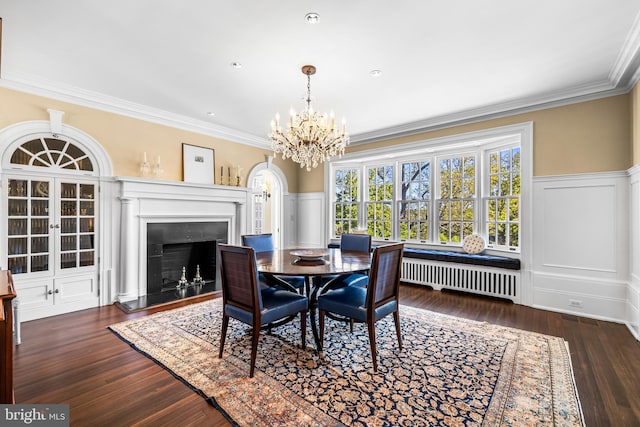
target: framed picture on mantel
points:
(197, 164)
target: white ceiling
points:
(442, 62)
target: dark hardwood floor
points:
(75, 359)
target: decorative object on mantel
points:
(145, 167)
(231, 181)
(197, 164)
(238, 170)
(454, 372)
(309, 138)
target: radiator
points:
(496, 282)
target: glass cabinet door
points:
(29, 246)
(50, 225)
(77, 219)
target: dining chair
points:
(352, 243)
(264, 242)
(373, 302)
(355, 242)
(244, 300)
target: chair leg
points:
(321, 315)
(303, 327)
(372, 342)
(223, 334)
(396, 318)
(351, 325)
(254, 349)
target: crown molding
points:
(574, 95)
(625, 70)
(75, 95)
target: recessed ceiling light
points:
(211, 113)
(375, 73)
(236, 65)
(312, 17)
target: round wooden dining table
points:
(313, 264)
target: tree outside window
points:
(503, 201)
(456, 206)
(346, 205)
(379, 205)
(414, 204)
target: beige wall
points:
(126, 139)
(593, 136)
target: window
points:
(456, 205)
(437, 192)
(51, 153)
(346, 207)
(415, 201)
(380, 201)
(503, 200)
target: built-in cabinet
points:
(51, 243)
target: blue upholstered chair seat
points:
(352, 279)
(350, 302)
(276, 303)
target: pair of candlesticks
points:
(145, 167)
(230, 181)
(184, 282)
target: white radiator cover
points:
(495, 282)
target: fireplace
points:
(174, 245)
(175, 219)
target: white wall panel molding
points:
(581, 296)
(290, 220)
(633, 309)
(581, 244)
(633, 294)
(580, 225)
(312, 220)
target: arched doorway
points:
(269, 188)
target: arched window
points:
(51, 153)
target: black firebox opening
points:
(171, 246)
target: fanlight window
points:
(52, 153)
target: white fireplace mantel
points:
(144, 201)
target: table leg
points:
(312, 292)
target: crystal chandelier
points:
(310, 137)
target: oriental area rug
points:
(450, 372)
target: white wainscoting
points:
(312, 221)
(581, 244)
(633, 294)
(289, 220)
